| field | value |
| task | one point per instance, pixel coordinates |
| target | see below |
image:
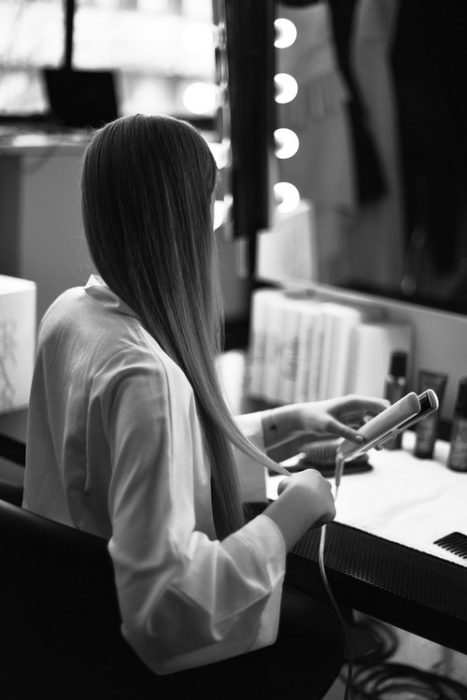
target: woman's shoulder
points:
(104, 338)
(132, 364)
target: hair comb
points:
(455, 542)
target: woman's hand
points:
(318, 492)
(305, 500)
(338, 417)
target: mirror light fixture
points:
(286, 33)
(286, 88)
(221, 152)
(287, 197)
(287, 143)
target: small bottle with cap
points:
(457, 457)
(395, 387)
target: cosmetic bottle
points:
(395, 387)
(426, 431)
(457, 457)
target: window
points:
(31, 36)
(162, 51)
(159, 49)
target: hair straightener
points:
(410, 409)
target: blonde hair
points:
(147, 188)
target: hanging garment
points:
(369, 175)
(323, 167)
(377, 239)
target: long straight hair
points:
(147, 188)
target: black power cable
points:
(390, 680)
(375, 677)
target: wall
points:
(40, 229)
(41, 235)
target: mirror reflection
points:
(370, 114)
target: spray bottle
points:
(457, 457)
(395, 387)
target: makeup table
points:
(380, 557)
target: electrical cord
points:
(385, 641)
(395, 680)
(324, 578)
(375, 677)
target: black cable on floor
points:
(375, 677)
(389, 680)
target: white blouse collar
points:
(97, 289)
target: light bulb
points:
(287, 197)
(286, 33)
(287, 143)
(286, 88)
(219, 214)
(221, 152)
(201, 98)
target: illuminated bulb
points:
(287, 143)
(287, 196)
(286, 33)
(219, 214)
(221, 152)
(286, 87)
(201, 98)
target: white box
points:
(17, 341)
(288, 251)
(373, 344)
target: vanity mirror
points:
(371, 211)
(370, 107)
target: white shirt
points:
(115, 448)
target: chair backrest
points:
(59, 617)
(14, 452)
(60, 636)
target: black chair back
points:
(13, 451)
(60, 633)
(60, 636)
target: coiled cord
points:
(395, 680)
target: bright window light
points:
(201, 98)
(287, 143)
(286, 88)
(287, 197)
(286, 33)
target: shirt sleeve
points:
(186, 600)
(251, 426)
(252, 475)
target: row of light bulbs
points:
(286, 141)
(204, 98)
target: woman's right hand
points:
(304, 500)
(318, 490)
